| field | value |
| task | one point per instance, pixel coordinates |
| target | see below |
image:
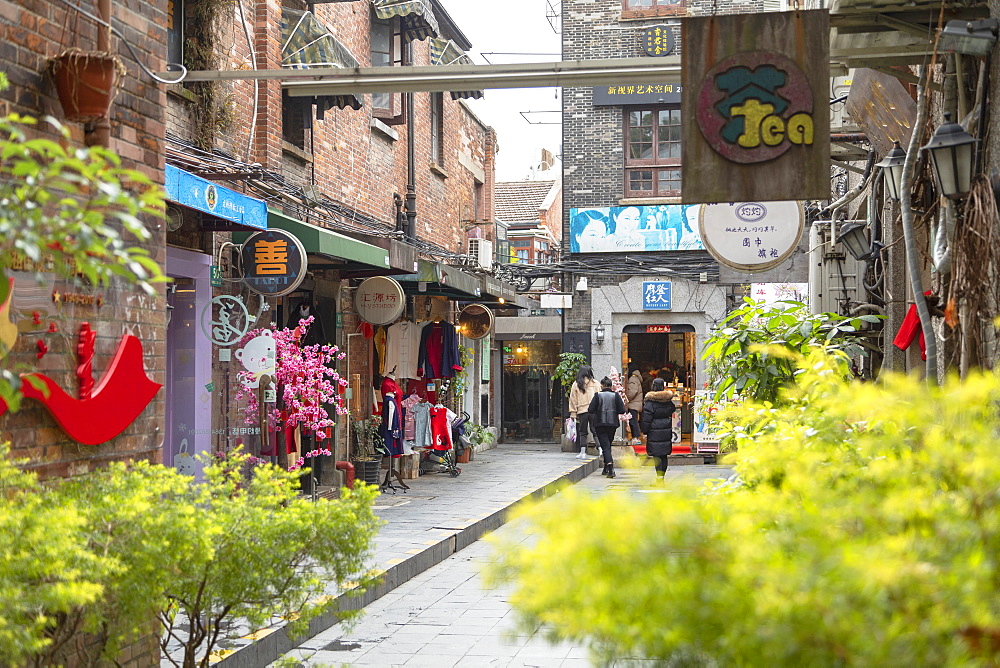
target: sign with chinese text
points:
(656, 295)
(274, 262)
(657, 329)
(215, 274)
(630, 229)
(379, 300)
(657, 41)
(752, 236)
(609, 96)
(225, 320)
(758, 91)
(201, 194)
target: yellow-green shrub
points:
(863, 529)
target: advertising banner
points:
(629, 229)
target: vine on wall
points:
(214, 110)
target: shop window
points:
(522, 254)
(437, 128)
(388, 48)
(296, 119)
(653, 152)
(643, 8)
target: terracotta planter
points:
(86, 83)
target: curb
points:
(271, 643)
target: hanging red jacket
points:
(440, 429)
(909, 330)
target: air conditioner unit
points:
(481, 253)
(834, 276)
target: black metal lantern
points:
(852, 235)
(952, 150)
(599, 333)
(892, 169)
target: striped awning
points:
(417, 18)
(308, 43)
(445, 52)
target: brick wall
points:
(34, 32)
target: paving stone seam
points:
(269, 648)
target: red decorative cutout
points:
(36, 318)
(101, 414)
(42, 348)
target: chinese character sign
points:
(759, 94)
(752, 236)
(658, 40)
(274, 262)
(656, 296)
(379, 300)
(630, 229)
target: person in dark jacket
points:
(605, 413)
(657, 424)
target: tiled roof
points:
(519, 201)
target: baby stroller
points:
(443, 461)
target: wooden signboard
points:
(757, 86)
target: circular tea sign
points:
(751, 236)
(379, 300)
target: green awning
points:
(321, 241)
(445, 52)
(308, 43)
(439, 279)
(417, 18)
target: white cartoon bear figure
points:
(258, 357)
(183, 461)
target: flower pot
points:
(86, 83)
(367, 471)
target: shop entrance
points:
(530, 400)
(669, 352)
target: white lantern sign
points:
(752, 236)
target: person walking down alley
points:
(658, 425)
(580, 394)
(606, 409)
(634, 392)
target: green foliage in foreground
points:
(755, 351)
(863, 529)
(110, 552)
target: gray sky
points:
(513, 26)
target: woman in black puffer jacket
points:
(657, 424)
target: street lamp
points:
(974, 38)
(951, 150)
(892, 169)
(852, 235)
(599, 333)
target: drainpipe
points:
(348, 469)
(411, 172)
(100, 134)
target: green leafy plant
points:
(567, 369)
(106, 553)
(461, 382)
(862, 528)
(366, 439)
(744, 353)
(478, 435)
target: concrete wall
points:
(620, 305)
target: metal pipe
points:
(348, 469)
(411, 170)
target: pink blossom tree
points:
(304, 378)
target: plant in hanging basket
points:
(86, 82)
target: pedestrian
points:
(606, 409)
(658, 425)
(635, 395)
(580, 394)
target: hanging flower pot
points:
(86, 82)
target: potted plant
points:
(86, 82)
(366, 454)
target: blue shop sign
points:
(201, 194)
(656, 295)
